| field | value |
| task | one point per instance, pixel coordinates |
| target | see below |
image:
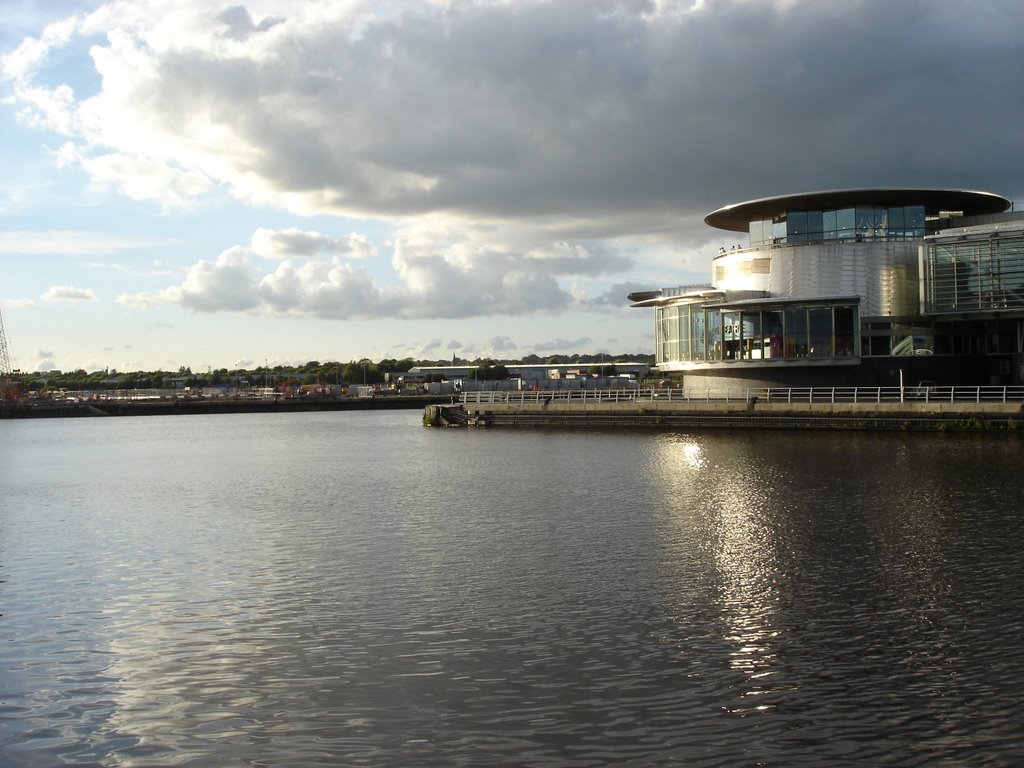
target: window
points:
(913, 221)
(713, 329)
(845, 330)
(814, 225)
(731, 334)
(895, 223)
(845, 223)
(795, 332)
(828, 225)
(819, 323)
(698, 333)
(750, 324)
(771, 330)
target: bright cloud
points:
(73, 242)
(296, 243)
(66, 293)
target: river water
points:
(351, 589)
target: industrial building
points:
(856, 287)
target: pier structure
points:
(830, 408)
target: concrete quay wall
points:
(957, 416)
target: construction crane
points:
(9, 388)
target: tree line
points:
(310, 373)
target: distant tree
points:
(488, 372)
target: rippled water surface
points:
(351, 589)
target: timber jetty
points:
(127, 406)
(821, 408)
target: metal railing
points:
(1009, 394)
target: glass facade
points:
(702, 333)
(860, 223)
(975, 275)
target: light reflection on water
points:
(353, 589)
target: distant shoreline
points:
(181, 406)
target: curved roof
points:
(737, 217)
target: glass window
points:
(845, 330)
(795, 332)
(713, 328)
(845, 220)
(913, 221)
(871, 221)
(731, 333)
(668, 334)
(751, 341)
(895, 222)
(828, 225)
(796, 222)
(771, 331)
(819, 323)
(684, 332)
(698, 333)
(779, 230)
(814, 225)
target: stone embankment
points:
(948, 411)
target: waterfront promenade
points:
(863, 408)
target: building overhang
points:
(720, 365)
(783, 302)
(737, 217)
(661, 298)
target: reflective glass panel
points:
(820, 331)
(771, 332)
(731, 333)
(845, 330)
(845, 220)
(751, 339)
(795, 332)
(913, 220)
(779, 231)
(684, 332)
(828, 225)
(698, 334)
(713, 331)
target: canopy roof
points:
(737, 217)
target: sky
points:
(218, 185)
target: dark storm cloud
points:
(565, 109)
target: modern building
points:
(856, 287)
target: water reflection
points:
(720, 501)
(507, 597)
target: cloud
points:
(563, 345)
(434, 278)
(228, 284)
(66, 293)
(296, 243)
(501, 344)
(42, 361)
(615, 296)
(16, 303)
(609, 118)
(427, 348)
(78, 242)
